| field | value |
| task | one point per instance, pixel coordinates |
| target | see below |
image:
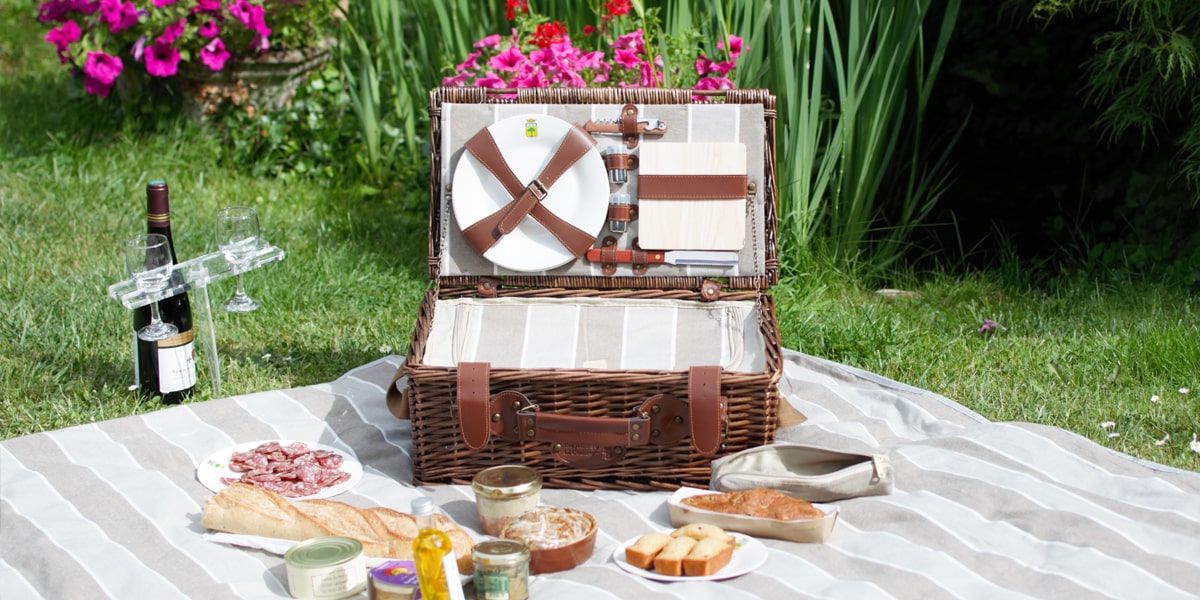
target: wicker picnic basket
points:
(600, 375)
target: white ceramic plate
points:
(579, 197)
(749, 554)
(216, 466)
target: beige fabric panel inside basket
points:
(593, 333)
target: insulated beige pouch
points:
(813, 474)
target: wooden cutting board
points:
(703, 224)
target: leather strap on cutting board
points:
(592, 441)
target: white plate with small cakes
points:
(748, 555)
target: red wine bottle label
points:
(176, 363)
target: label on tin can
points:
(326, 568)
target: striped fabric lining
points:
(981, 510)
(589, 333)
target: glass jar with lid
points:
(504, 493)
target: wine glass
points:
(148, 259)
(237, 238)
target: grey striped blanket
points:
(980, 510)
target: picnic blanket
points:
(980, 510)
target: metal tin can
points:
(501, 570)
(504, 493)
(393, 580)
(326, 568)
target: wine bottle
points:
(433, 556)
(165, 368)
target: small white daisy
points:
(385, 349)
(1108, 424)
(132, 387)
(1194, 444)
(266, 356)
(1155, 398)
(1184, 390)
(1163, 442)
(1113, 435)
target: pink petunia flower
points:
(240, 10)
(162, 60)
(119, 16)
(172, 32)
(261, 43)
(214, 55)
(508, 60)
(627, 58)
(99, 72)
(491, 41)
(713, 83)
(459, 80)
(590, 60)
(59, 10)
(207, 6)
(703, 65)
(258, 21)
(62, 37)
(735, 46)
(490, 80)
(723, 67)
(530, 78)
(470, 64)
(209, 29)
(651, 76)
(633, 40)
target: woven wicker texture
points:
(439, 453)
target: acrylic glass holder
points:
(194, 276)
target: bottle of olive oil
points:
(437, 569)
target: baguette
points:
(670, 560)
(384, 533)
(708, 556)
(641, 554)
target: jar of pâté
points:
(501, 570)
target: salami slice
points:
(294, 470)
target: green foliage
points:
(859, 78)
(1144, 74)
(313, 136)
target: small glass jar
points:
(504, 493)
(501, 570)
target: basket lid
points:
(544, 188)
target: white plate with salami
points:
(290, 468)
(748, 555)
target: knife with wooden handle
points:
(671, 257)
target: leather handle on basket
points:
(592, 441)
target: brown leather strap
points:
(483, 234)
(620, 212)
(609, 255)
(472, 381)
(627, 162)
(605, 432)
(691, 187)
(629, 128)
(707, 408)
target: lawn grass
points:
(1073, 353)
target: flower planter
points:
(264, 82)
